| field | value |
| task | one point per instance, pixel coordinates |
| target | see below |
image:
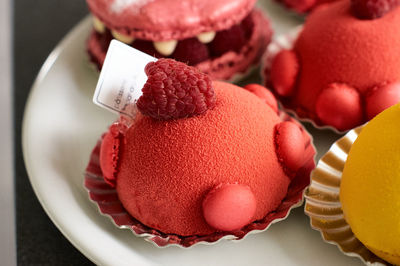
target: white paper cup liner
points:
(323, 205)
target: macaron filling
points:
(193, 51)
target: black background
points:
(38, 27)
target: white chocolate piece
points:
(122, 37)
(166, 48)
(206, 37)
(98, 25)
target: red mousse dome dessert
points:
(345, 66)
(221, 38)
(303, 6)
(205, 158)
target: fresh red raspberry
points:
(373, 9)
(174, 90)
(232, 39)
(191, 51)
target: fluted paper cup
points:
(323, 205)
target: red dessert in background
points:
(304, 6)
(221, 38)
(345, 65)
(205, 158)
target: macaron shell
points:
(108, 157)
(109, 152)
(284, 72)
(232, 63)
(289, 146)
(169, 19)
(229, 207)
(382, 98)
(224, 67)
(340, 106)
(264, 94)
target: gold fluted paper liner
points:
(323, 205)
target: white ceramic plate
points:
(61, 126)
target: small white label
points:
(122, 78)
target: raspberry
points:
(232, 39)
(248, 26)
(373, 9)
(104, 39)
(174, 90)
(146, 47)
(191, 51)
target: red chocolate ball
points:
(229, 207)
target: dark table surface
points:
(38, 27)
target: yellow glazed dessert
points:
(370, 187)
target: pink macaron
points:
(221, 38)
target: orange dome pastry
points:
(370, 186)
(303, 6)
(204, 158)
